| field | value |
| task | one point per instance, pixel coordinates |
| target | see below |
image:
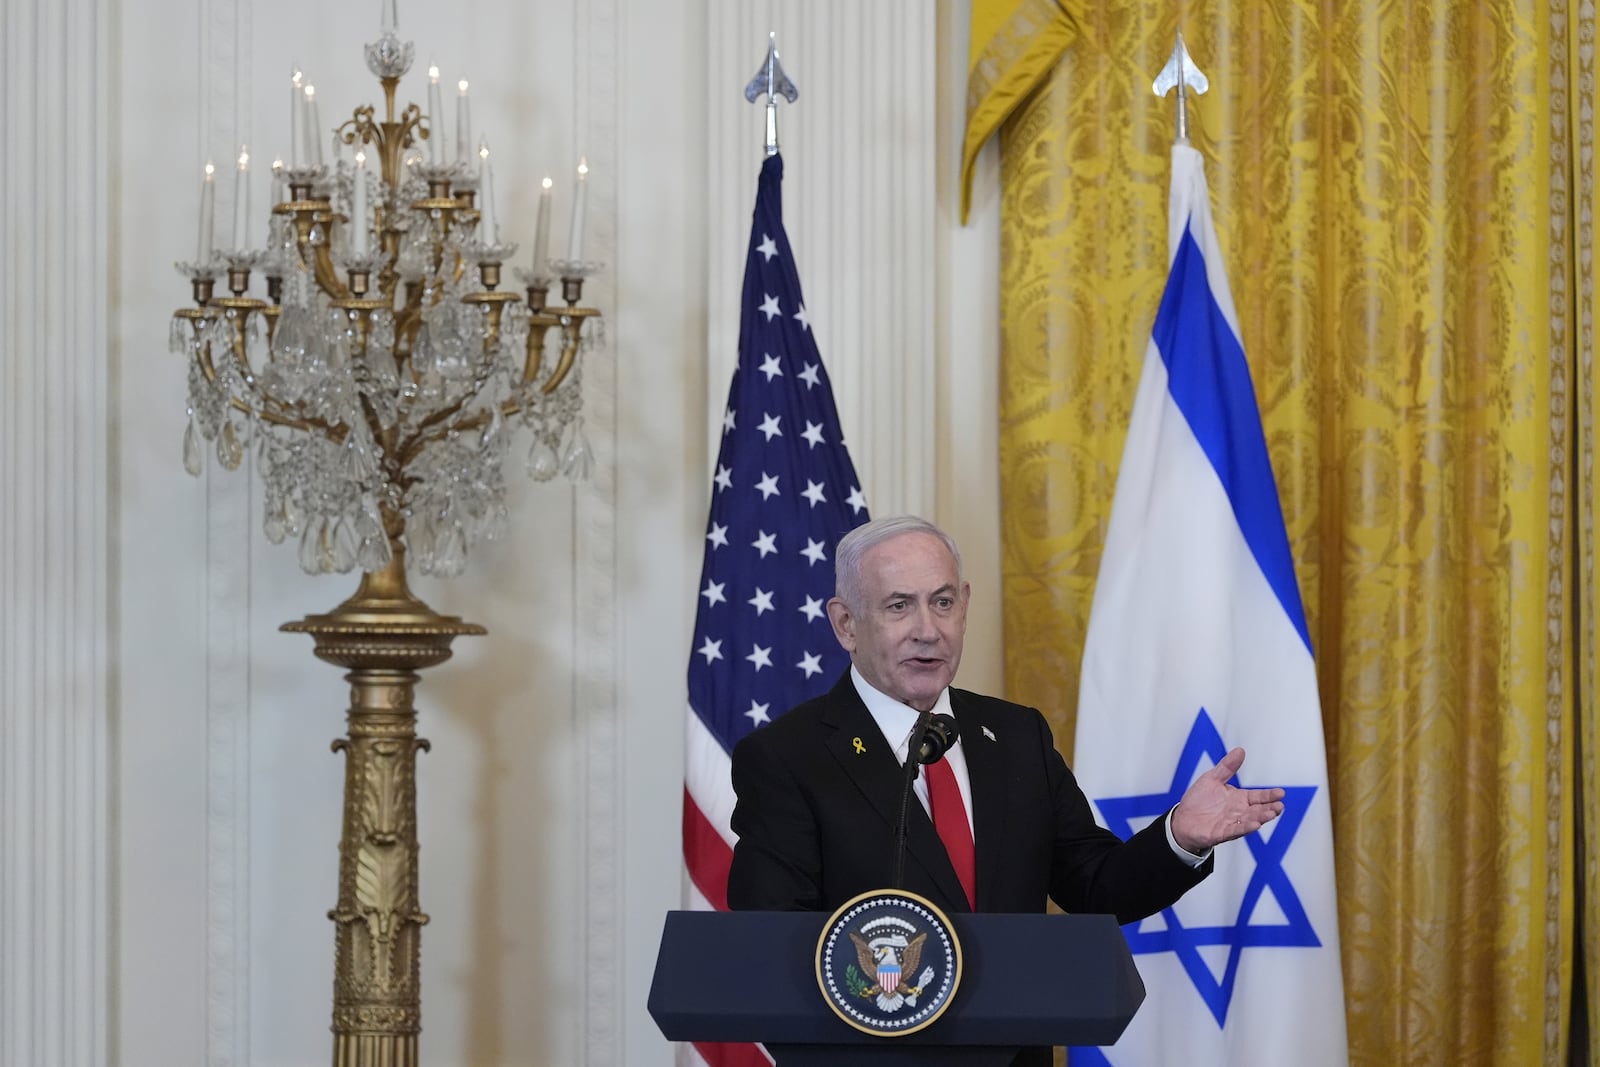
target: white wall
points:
(187, 812)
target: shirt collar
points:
(894, 719)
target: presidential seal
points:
(888, 962)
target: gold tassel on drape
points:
(1405, 198)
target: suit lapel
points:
(986, 774)
(878, 775)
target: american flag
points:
(783, 494)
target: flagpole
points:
(770, 81)
(1181, 72)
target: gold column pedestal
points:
(384, 635)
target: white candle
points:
(541, 232)
(208, 202)
(313, 128)
(488, 228)
(280, 183)
(389, 21)
(358, 206)
(579, 203)
(241, 202)
(463, 123)
(435, 114)
(296, 102)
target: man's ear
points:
(844, 624)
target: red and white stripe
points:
(707, 853)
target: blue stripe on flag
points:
(1210, 382)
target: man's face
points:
(905, 636)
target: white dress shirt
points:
(897, 720)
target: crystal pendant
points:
(451, 558)
(374, 553)
(193, 457)
(311, 547)
(492, 431)
(275, 524)
(342, 547)
(420, 541)
(293, 517)
(578, 463)
(542, 461)
(230, 450)
(327, 552)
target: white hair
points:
(854, 545)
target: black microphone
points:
(937, 737)
(931, 738)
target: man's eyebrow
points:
(948, 587)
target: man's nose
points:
(923, 624)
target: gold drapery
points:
(1405, 198)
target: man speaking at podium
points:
(1001, 824)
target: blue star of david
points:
(1268, 852)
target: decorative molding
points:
(863, 221)
(55, 691)
(595, 548)
(222, 121)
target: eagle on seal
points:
(888, 971)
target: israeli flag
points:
(1197, 643)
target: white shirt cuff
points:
(1178, 850)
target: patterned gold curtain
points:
(1405, 196)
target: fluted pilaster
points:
(55, 718)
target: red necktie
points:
(950, 819)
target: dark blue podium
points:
(1026, 980)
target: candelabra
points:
(380, 384)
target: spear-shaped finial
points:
(771, 81)
(1180, 71)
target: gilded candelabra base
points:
(383, 635)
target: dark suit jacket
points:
(816, 819)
